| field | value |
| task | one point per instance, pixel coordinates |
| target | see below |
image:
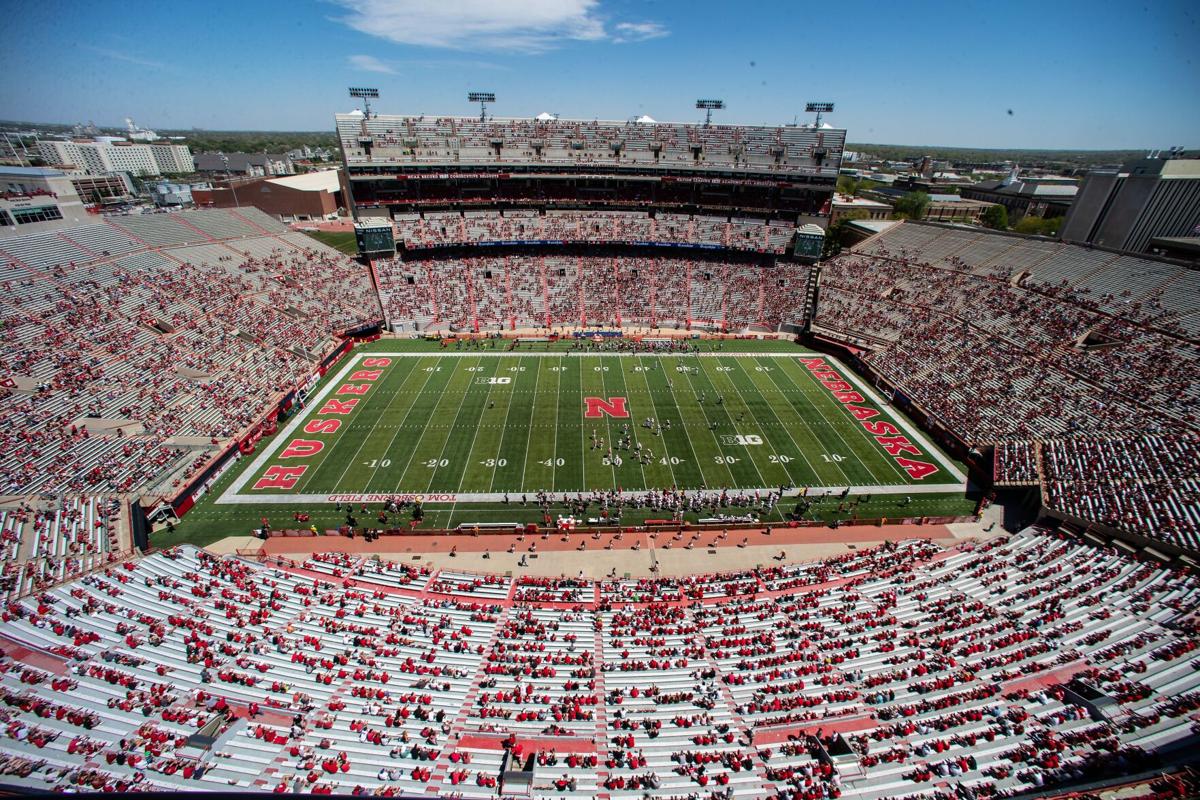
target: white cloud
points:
(625, 32)
(371, 64)
(530, 26)
(119, 55)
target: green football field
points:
(471, 426)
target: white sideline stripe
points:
(265, 455)
(233, 496)
(447, 498)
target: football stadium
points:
(592, 475)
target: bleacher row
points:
(472, 227)
(1148, 485)
(998, 361)
(1156, 294)
(942, 671)
(441, 140)
(542, 291)
(1013, 342)
(44, 545)
(110, 354)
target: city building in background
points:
(941, 208)
(314, 195)
(170, 193)
(103, 190)
(251, 165)
(1042, 196)
(104, 155)
(844, 206)
(38, 199)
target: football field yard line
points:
(747, 452)
(725, 372)
(399, 428)
(459, 449)
(493, 440)
(658, 469)
(633, 436)
(801, 422)
(371, 437)
(570, 367)
(658, 420)
(428, 452)
(768, 376)
(313, 474)
(676, 430)
(554, 450)
(417, 441)
(537, 377)
(616, 480)
(794, 393)
(721, 455)
(475, 438)
(870, 446)
(786, 429)
(716, 454)
(451, 433)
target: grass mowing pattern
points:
(476, 422)
(209, 521)
(338, 240)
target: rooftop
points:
(325, 180)
(857, 202)
(31, 172)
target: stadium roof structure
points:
(32, 172)
(873, 225)
(1028, 188)
(325, 180)
(1190, 244)
(642, 143)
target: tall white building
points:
(61, 153)
(173, 158)
(104, 156)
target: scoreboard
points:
(810, 241)
(375, 238)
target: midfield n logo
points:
(598, 407)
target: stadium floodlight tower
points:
(483, 98)
(366, 95)
(819, 109)
(708, 106)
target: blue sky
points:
(1090, 74)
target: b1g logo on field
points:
(503, 379)
(599, 407)
(747, 439)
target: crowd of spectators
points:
(503, 292)
(472, 227)
(465, 140)
(103, 362)
(1083, 356)
(953, 666)
(1147, 485)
